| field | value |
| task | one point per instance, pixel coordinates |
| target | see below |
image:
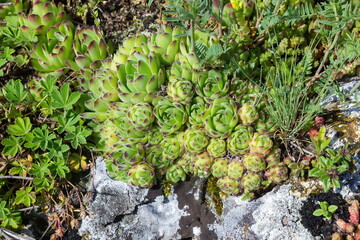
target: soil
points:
(119, 18)
(319, 226)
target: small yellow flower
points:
(237, 4)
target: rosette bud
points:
(217, 147)
(228, 185)
(220, 167)
(142, 175)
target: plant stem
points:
(16, 177)
(317, 74)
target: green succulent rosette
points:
(141, 115)
(182, 70)
(171, 116)
(251, 181)
(121, 160)
(42, 16)
(202, 166)
(175, 173)
(142, 175)
(166, 44)
(228, 185)
(154, 136)
(131, 44)
(238, 141)
(277, 173)
(273, 157)
(265, 124)
(155, 158)
(235, 170)
(211, 85)
(187, 162)
(172, 147)
(140, 78)
(195, 110)
(108, 134)
(217, 147)
(89, 46)
(248, 114)
(195, 140)
(238, 88)
(181, 90)
(260, 144)
(101, 85)
(220, 167)
(221, 117)
(49, 55)
(254, 163)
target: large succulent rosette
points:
(238, 141)
(50, 53)
(140, 78)
(195, 140)
(211, 85)
(171, 116)
(42, 16)
(89, 46)
(221, 117)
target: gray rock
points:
(272, 216)
(122, 211)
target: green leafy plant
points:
(320, 141)
(325, 210)
(328, 168)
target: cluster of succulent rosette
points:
(158, 114)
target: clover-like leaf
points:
(21, 127)
(63, 98)
(78, 136)
(67, 122)
(58, 168)
(25, 197)
(4, 211)
(39, 137)
(14, 91)
(12, 146)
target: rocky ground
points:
(121, 211)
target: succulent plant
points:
(273, 157)
(142, 175)
(195, 140)
(217, 147)
(260, 144)
(195, 110)
(89, 46)
(251, 181)
(131, 44)
(121, 160)
(166, 45)
(228, 185)
(277, 173)
(265, 124)
(202, 165)
(220, 167)
(155, 158)
(181, 90)
(101, 84)
(49, 55)
(238, 141)
(108, 134)
(187, 161)
(182, 70)
(154, 136)
(211, 85)
(140, 78)
(42, 16)
(254, 163)
(141, 115)
(235, 170)
(248, 114)
(171, 116)
(221, 117)
(175, 173)
(172, 147)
